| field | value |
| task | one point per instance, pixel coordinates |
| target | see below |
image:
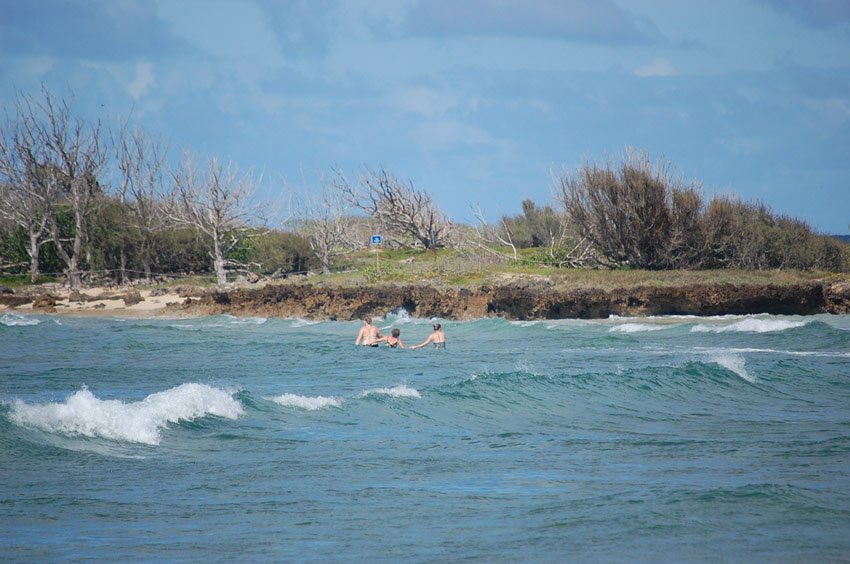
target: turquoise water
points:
(670, 438)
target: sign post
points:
(377, 240)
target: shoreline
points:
(519, 300)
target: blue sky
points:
(474, 101)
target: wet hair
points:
(437, 327)
(396, 333)
(368, 320)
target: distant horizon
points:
(473, 101)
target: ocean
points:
(225, 438)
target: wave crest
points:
(750, 325)
(138, 422)
(400, 391)
(735, 363)
(635, 328)
(10, 319)
(304, 402)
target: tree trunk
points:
(34, 252)
(123, 267)
(218, 262)
(75, 277)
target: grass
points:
(23, 280)
(455, 268)
(446, 266)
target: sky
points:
(478, 102)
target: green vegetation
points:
(97, 206)
(449, 266)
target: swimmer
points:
(438, 338)
(369, 335)
(393, 341)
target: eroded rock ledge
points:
(522, 301)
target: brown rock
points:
(132, 297)
(13, 300)
(44, 301)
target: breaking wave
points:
(733, 362)
(305, 402)
(10, 319)
(85, 415)
(400, 391)
(750, 325)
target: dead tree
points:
(52, 162)
(325, 220)
(140, 160)
(400, 210)
(217, 202)
(27, 193)
(487, 235)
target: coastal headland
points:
(521, 299)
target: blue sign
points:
(377, 239)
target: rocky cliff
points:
(520, 301)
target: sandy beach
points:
(105, 301)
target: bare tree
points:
(325, 221)
(401, 210)
(140, 160)
(26, 193)
(51, 162)
(487, 235)
(217, 201)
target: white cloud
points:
(142, 82)
(658, 67)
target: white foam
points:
(399, 315)
(635, 328)
(139, 422)
(750, 325)
(826, 354)
(10, 319)
(245, 320)
(530, 323)
(400, 391)
(299, 322)
(305, 402)
(734, 363)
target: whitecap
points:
(10, 319)
(750, 325)
(529, 323)
(138, 422)
(735, 363)
(305, 402)
(299, 322)
(400, 391)
(234, 320)
(635, 328)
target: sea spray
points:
(140, 422)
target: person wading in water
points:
(438, 338)
(369, 335)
